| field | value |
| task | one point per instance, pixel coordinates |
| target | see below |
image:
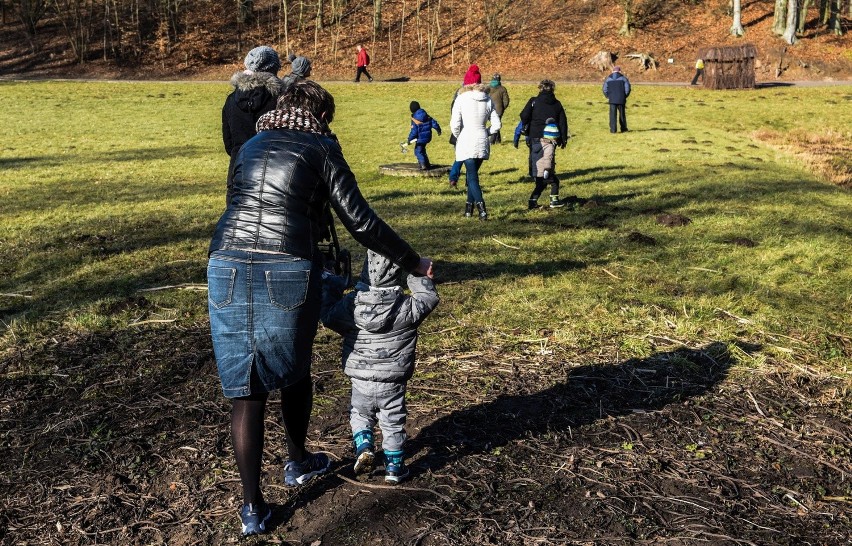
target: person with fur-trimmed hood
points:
(421, 133)
(472, 110)
(255, 91)
(378, 322)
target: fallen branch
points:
(183, 286)
(498, 241)
(394, 487)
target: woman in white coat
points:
(471, 110)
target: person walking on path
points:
(264, 281)
(255, 91)
(379, 322)
(547, 128)
(300, 68)
(471, 111)
(500, 97)
(616, 88)
(699, 71)
(361, 64)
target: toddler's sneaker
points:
(254, 518)
(365, 455)
(395, 469)
(299, 473)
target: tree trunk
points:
(803, 15)
(627, 25)
(245, 10)
(792, 20)
(779, 23)
(737, 27)
(824, 11)
(377, 16)
(834, 20)
(319, 15)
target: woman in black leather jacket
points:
(264, 278)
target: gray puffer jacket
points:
(377, 320)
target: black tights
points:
(541, 183)
(247, 415)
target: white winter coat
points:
(472, 108)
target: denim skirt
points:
(264, 310)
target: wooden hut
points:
(728, 67)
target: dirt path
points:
(516, 449)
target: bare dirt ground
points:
(509, 447)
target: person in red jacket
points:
(363, 62)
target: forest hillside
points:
(430, 39)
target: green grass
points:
(109, 188)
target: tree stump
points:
(413, 169)
(603, 60)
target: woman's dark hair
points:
(309, 96)
(546, 86)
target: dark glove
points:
(515, 142)
(492, 138)
(563, 144)
(453, 140)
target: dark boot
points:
(483, 214)
(532, 204)
(468, 210)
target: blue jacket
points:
(421, 127)
(518, 131)
(616, 88)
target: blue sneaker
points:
(254, 518)
(395, 469)
(365, 456)
(299, 473)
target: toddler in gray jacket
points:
(378, 322)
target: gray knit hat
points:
(301, 66)
(263, 59)
(380, 272)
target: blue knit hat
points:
(551, 131)
(263, 59)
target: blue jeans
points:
(455, 171)
(420, 154)
(474, 192)
(264, 310)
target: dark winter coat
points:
(616, 88)
(378, 322)
(500, 97)
(538, 109)
(283, 181)
(254, 95)
(421, 127)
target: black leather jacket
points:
(283, 180)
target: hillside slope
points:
(518, 38)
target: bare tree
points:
(30, 12)
(78, 20)
(737, 27)
(627, 26)
(792, 22)
(834, 17)
(377, 16)
(779, 23)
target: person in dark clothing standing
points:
(500, 97)
(616, 88)
(362, 63)
(541, 139)
(255, 91)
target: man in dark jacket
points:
(616, 88)
(255, 91)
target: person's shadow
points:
(589, 393)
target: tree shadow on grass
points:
(589, 393)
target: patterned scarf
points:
(295, 119)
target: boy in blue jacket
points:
(421, 133)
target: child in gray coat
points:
(378, 322)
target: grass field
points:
(110, 190)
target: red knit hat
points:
(472, 75)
